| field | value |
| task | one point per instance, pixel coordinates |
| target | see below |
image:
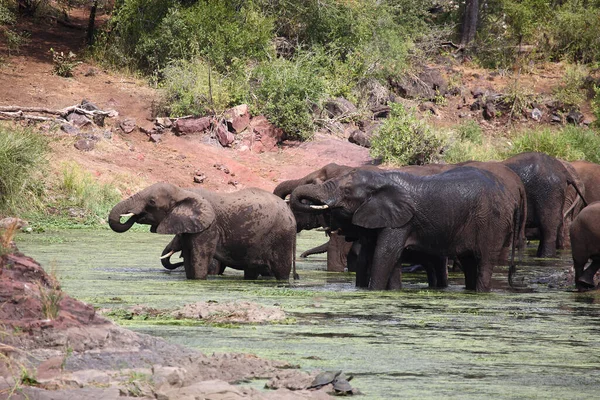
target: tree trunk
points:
(469, 22)
(91, 23)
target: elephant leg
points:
(586, 279)
(251, 274)
(337, 253)
(469, 267)
(198, 252)
(395, 282)
(388, 250)
(547, 246)
(484, 276)
(440, 267)
(364, 259)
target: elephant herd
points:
(477, 213)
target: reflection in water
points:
(416, 343)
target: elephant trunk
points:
(124, 208)
(286, 187)
(165, 259)
(312, 198)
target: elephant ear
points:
(388, 207)
(192, 214)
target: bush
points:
(571, 90)
(404, 139)
(596, 105)
(470, 131)
(574, 33)
(22, 154)
(186, 89)
(286, 92)
(569, 143)
(81, 190)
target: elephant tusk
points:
(323, 207)
(127, 215)
(169, 254)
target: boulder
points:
(574, 117)
(360, 138)
(78, 120)
(70, 129)
(264, 135)
(186, 126)
(428, 84)
(223, 135)
(128, 125)
(237, 118)
(429, 106)
(489, 111)
(339, 107)
(85, 144)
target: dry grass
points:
(6, 237)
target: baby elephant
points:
(585, 245)
(251, 229)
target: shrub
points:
(574, 33)
(186, 89)
(470, 131)
(570, 92)
(22, 154)
(81, 190)
(63, 64)
(596, 105)
(286, 91)
(405, 139)
(466, 150)
(569, 143)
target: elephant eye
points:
(152, 202)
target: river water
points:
(542, 341)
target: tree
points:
(469, 22)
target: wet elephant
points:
(464, 212)
(589, 173)
(545, 179)
(585, 245)
(250, 229)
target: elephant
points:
(545, 179)
(465, 212)
(589, 173)
(250, 229)
(175, 246)
(585, 245)
(338, 256)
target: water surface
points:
(540, 342)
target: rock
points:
(374, 93)
(556, 118)
(427, 85)
(89, 106)
(339, 107)
(78, 120)
(360, 138)
(127, 125)
(237, 118)
(85, 144)
(223, 135)
(199, 178)
(91, 72)
(107, 134)
(99, 119)
(164, 122)
(155, 137)
(428, 106)
(574, 117)
(536, 114)
(587, 122)
(265, 136)
(478, 92)
(489, 111)
(477, 105)
(70, 129)
(222, 167)
(381, 111)
(186, 126)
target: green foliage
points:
(191, 87)
(81, 190)
(11, 37)
(596, 105)
(286, 91)
(22, 155)
(63, 64)
(569, 143)
(404, 139)
(574, 32)
(570, 92)
(466, 150)
(470, 131)
(150, 34)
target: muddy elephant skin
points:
(250, 229)
(585, 245)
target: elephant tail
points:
(519, 220)
(578, 190)
(294, 273)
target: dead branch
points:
(19, 112)
(20, 115)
